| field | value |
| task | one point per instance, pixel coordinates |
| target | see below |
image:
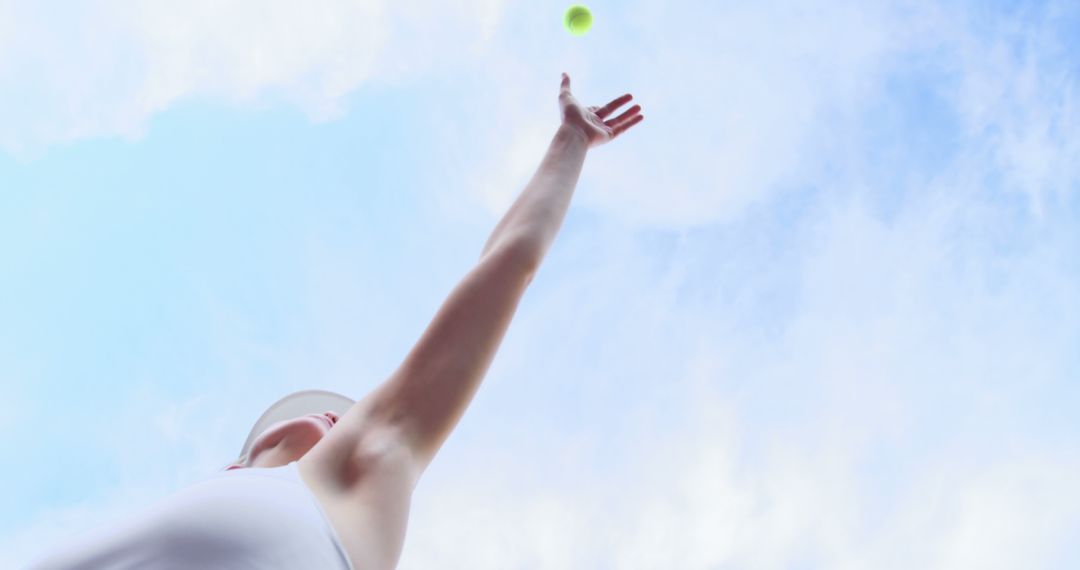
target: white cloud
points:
(871, 431)
(1028, 510)
(1018, 96)
(73, 70)
(744, 103)
(827, 390)
(733, 95)
(889, 425)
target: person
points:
(326, 482)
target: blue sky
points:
(818, 310)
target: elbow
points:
(529, 259)
(524, 254)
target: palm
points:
(593, 121)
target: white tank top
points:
(257, 518)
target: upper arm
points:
(429, 392)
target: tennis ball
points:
(578, 20)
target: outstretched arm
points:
(537, 214)
(426, 396)
(539, 211)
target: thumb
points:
(565, 82)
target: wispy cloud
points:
(1018, 94)
(74, 70)
(897, 420)
(818, 310)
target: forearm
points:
(534, 219)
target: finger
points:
(629, 113)
(565, 82)
(610, 107)
(623, 127)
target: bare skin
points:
(287, 441)
(363, 469)
(593, 122)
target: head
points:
(286, 441)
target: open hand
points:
(591, 120)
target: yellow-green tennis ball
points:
(578, 20)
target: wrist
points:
(572, 134)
